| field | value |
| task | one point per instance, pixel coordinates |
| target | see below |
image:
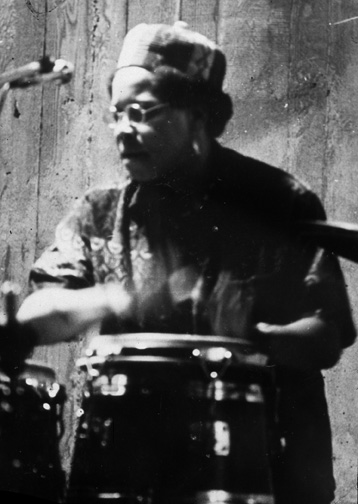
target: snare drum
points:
(31, 404)
(174, 419)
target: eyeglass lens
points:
(135, 113)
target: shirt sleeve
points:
(75, 258)
(67, 262)
(324, 283)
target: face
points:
(160, 144)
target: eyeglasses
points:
(135, 113)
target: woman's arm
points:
(57, 314)
(308, 343)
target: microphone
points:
(45, 70)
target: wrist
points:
(118, 301)
(261, 337)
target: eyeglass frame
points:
(144, 119)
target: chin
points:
(138, 171)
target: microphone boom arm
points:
(46, 69)
(37, 72)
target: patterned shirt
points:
(203, 256)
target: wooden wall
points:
(293, 75)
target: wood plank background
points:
(293, 76)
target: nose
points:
(123, 127)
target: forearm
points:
(57, 314)
(308, 343)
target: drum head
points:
(105, 345)
(162, 352)
(173, 417)
(32, 370)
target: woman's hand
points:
(58, 314)
(308, 343)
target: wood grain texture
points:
(340, 179)
(202, 16)
(309, 77)
(292, 74)
(77, 149)
(293, 77)
(20, 131)
(159, 11)
(255, 37)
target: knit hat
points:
(152, 46)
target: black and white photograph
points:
(178, 251)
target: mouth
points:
(132, 155)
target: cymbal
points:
(338, 237)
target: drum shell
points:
(31, 404)
(154, 425)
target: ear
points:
(200, 119)
(200, 113)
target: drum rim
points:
(103, 348)
(186, 340)
(32, 367)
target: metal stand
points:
(38, 72)
(3, 94)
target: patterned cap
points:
(155, 45)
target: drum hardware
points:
(16, 342)
(31, 413)
(223, 497)
(340, 238)
(218, 433)
(31, 426)
(214, 361)
(173, 419)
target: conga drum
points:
(31, 405)
(174, 419)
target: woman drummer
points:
(200, 240)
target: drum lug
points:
(214, 361)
